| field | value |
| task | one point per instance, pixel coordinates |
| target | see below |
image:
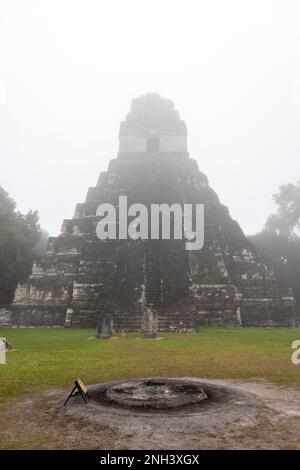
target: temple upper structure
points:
(82, 278)
(153, 125)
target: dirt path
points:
(268, 419)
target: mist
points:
(69, 70)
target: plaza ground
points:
(44, 363)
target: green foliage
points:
(19, 235)
(283, 255)
(279, 242)
(287, 219)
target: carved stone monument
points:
(149, 324)
(105, 327)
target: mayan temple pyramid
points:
(82, 278)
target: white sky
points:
(69, 69)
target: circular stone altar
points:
(155, 394)
(163, 395)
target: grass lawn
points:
(55, 357)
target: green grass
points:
(55, 357)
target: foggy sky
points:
(69, 69)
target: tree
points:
(286, 221)
(279, 242)
(283, 255)
(19, 234)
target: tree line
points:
(279, 241)
(21, 241)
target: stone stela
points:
(105, 327)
